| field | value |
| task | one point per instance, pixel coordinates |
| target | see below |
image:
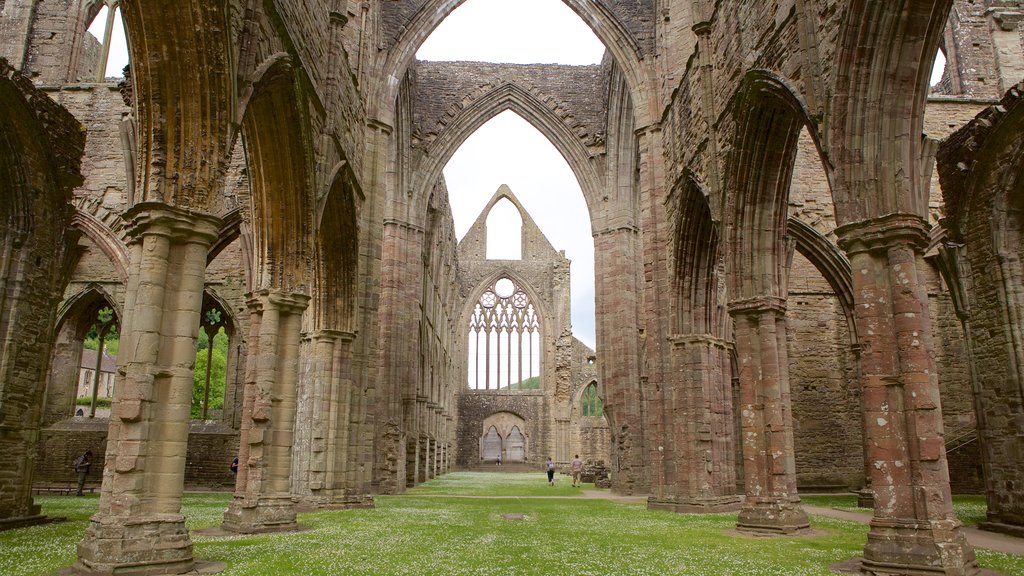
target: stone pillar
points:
(699, 446)
(400, 295)
(326, 415)
(766, 423)
(263, 500)
(914, 530)
(139, 528)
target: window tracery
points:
(504, 339)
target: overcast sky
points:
(508, 149)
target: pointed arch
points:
(830, 262)
(697, 253)
(490, 313)
(76, 315)
(508, 96)
(279, 155)
(770, 118)
(624, 48)
(884, 64)
(337, 253)
(184, 111)
(110, 244)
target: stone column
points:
(263, 501)
(320, 414)
(699, 447)
(766, 423)
(914, 530)
(139, 527)
(400, 295)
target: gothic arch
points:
(74, 304)
(183, 112)
(770, 117)
(620, 43)
(75, 317)
(546, 316)
(982, 172)
(279, 154)
(883, 68)
(230, 230)
(545, 326)
(697, 253)
(112, 245)
(508, 96)
(337, 253)
(830, 262)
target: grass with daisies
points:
(428, 532)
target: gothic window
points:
(516, 445)
(504, 232)
(591, 402)
(102, 341)
(504, 340)
(103, 52)
(492, 444)
(210, 374)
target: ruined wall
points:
(532, 406)
(211, 447)
(576, 94)
(824, 385)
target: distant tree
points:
(218, 373)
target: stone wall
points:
(824, 386)
(211, 447)
(532, 406)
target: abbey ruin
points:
(808, 264)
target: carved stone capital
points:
(181, 225)
(882, 233)
(757, 305)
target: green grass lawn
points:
(500, 484)
(413, 535)
(970, 509)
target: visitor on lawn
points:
(81, 467)
(551, 471)
(576, 469)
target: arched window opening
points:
(487, 31)
(504, 232)
(98, 365)
(492, 444)
(504, 340)
(210, 374)
(591, 402)
(516, 445)
(104, 48)
(938, 71)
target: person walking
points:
(577, 470)
(551, 471)
(81, 467)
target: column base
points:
(265, 514)
(856, 567)
(346, 502)
(135, 547)
(918, 548)
(711, 505)
(26, 521)
(1003, 528)
(775, 516)
(866, 498)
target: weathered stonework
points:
(726, 152)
